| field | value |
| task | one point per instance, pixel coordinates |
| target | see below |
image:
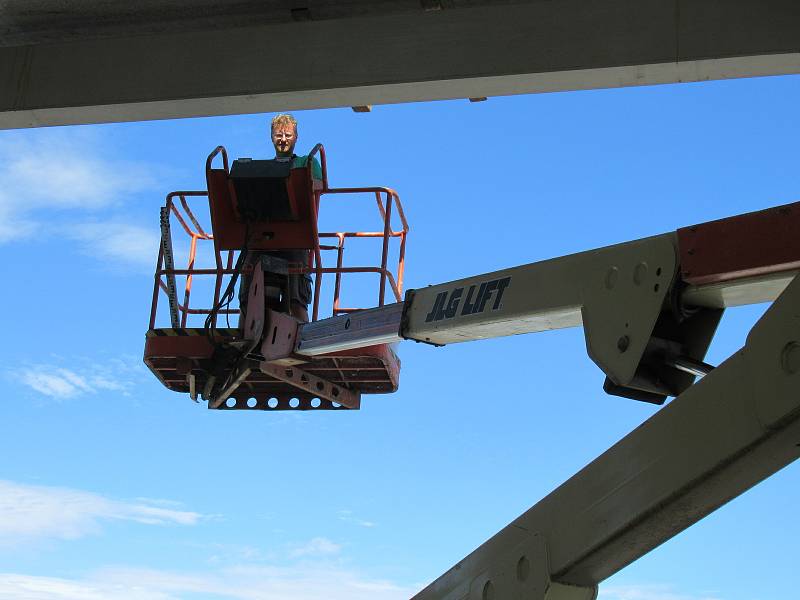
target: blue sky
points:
(115, 487)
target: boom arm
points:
(649, 309)
(657, 481)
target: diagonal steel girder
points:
(736, 427)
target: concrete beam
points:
(470, 52)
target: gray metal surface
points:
(80, 62)
(749, 290)
(599, 286)
(616, 293)
(363, 328)
(668, 473)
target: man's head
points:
(284, 134)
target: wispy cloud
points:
(113, 242)
(60, 382)
(305, 582)
(67, 183)
(31, 512)
(318, 546)
(650, 592)
(348, 517)
(63, 383)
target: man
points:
(284, 138)
(283, 131)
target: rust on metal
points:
(753, 244)
(311, 384)
(280, 337)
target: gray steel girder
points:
(735, 427)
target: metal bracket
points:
(522, 574)
(622, 298)
(280, 339)
(313, 384)
(254, 317)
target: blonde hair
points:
(283, 119)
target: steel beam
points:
(487, 50)
(668, 473)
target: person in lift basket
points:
(283, 131)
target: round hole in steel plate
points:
(294, 402)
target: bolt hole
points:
(230, 402)
(523, 568)
(658, 271)
(656, 287)
(316, 402)
(320, 386)
(294, 402)
(272, 403)
(623, 343)
(251, 402)
(335, 404)
(289, 373)
(335, 391)
(488, 591)
(304, 378)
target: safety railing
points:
(189, 223)
(177, 205)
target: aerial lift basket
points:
(248, 361)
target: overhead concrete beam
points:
(540, 46)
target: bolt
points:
(640, 273)
(790, 358)
(623, 343)
(523, 568)
(611, 278)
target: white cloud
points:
(348, 517)
(47, 175)
(66, 174)
(112, 242)
(31, 512)
(58, 382)
(649, 592)
(319, 546)
(305, 582)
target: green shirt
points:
(302, 161)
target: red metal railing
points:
(386, 199)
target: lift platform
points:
(253, 364)
(649, 309)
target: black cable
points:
(227, 296)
